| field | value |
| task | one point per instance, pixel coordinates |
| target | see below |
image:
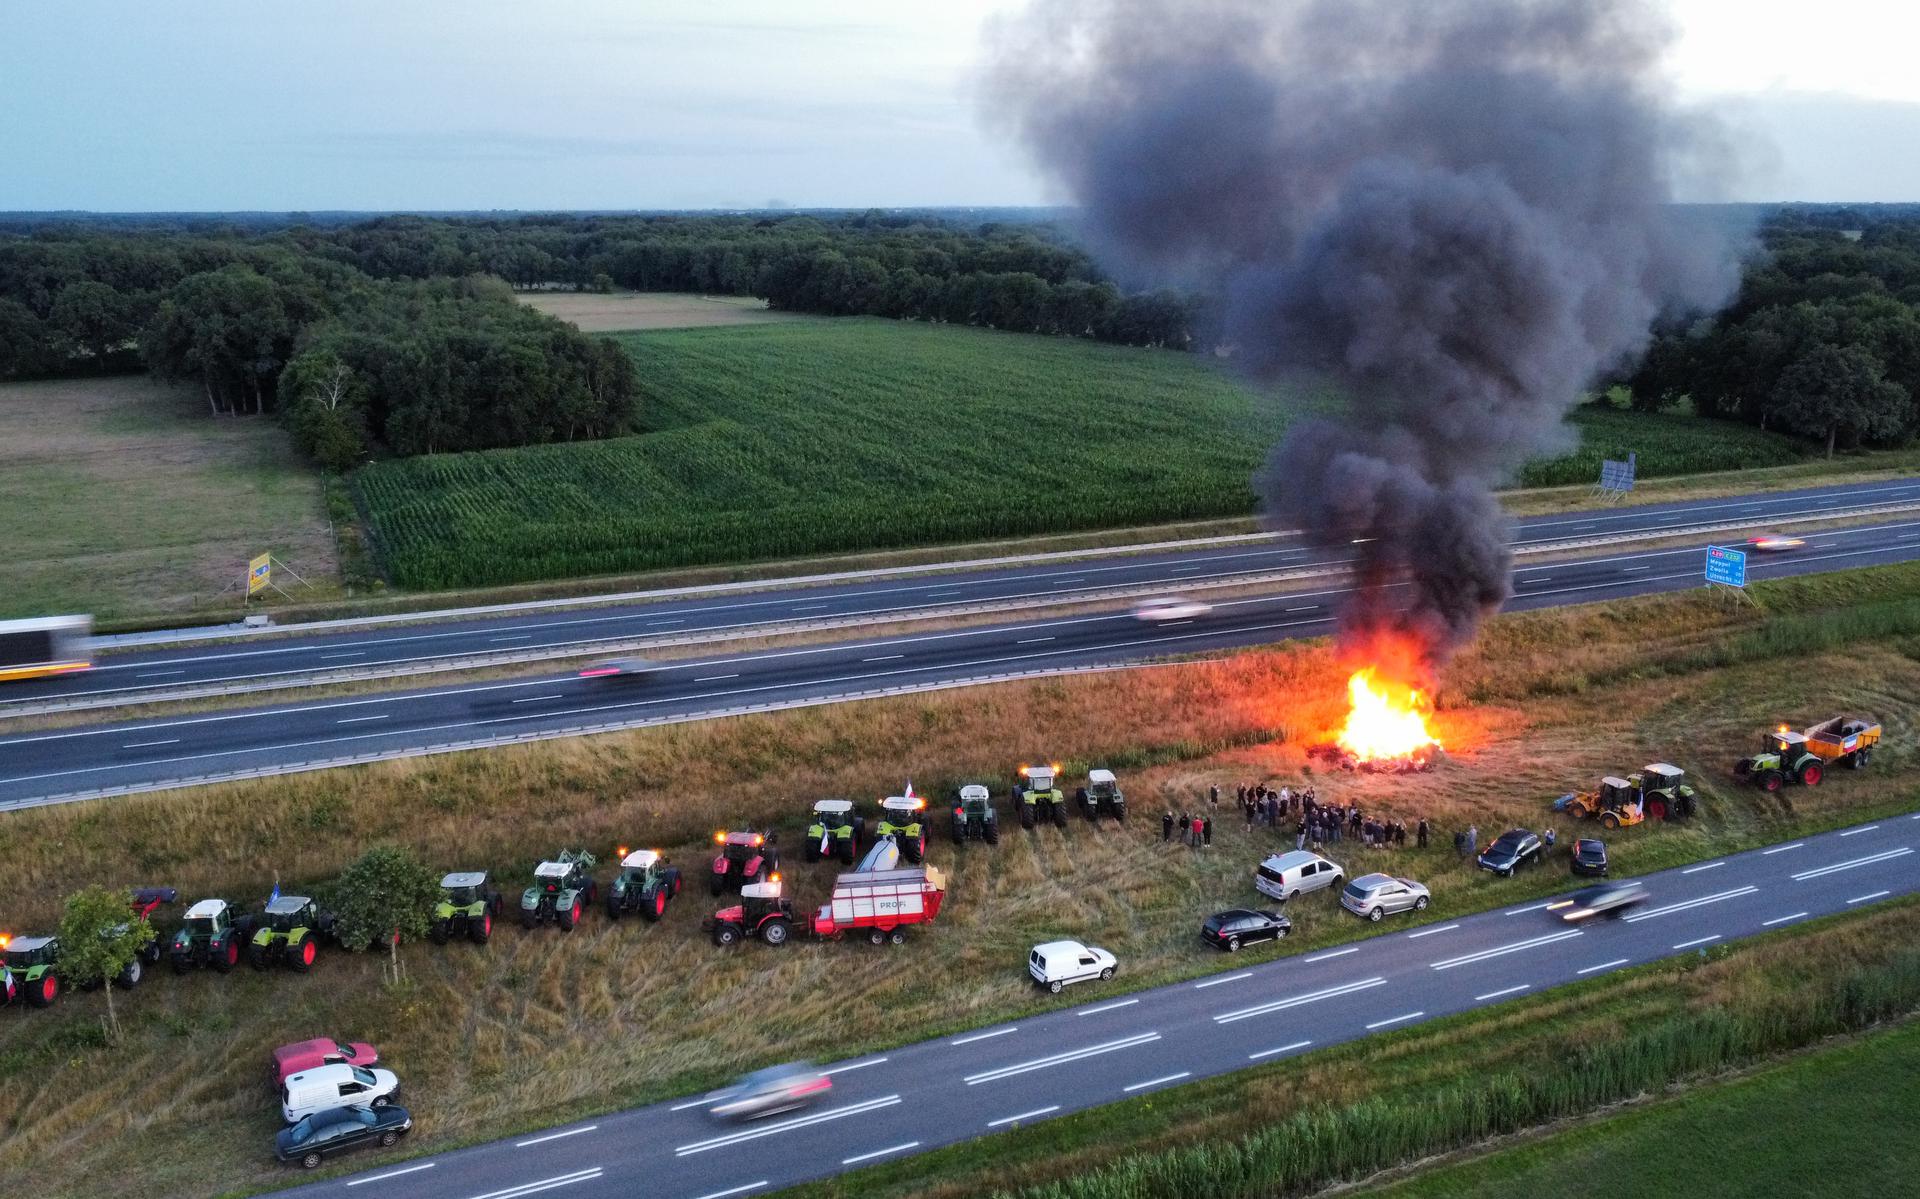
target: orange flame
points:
(1387, 720)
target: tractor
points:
(1616, 804)
(903, 821)
(1665, 793)
(32, 968)
(1040, 785)
(561, 890)
(207, 936)
(288, 931)
(745, 857)
(644, 885)
(1101, 796)
(467, 908)
(835, 831)
(762, 912)
(973, 816)
(1783, 758)
(146, 901)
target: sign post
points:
(259, 575)
(1727, 568)
(1616, 477)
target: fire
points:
(1388, 720)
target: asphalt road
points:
(291, 656)
(108, 758)
(1116, 1046)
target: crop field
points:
(539, 1026)
(624, 311)
(819, 437)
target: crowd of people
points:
(1314, 824)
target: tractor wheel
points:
(993, 832)
(1120, 813)
(481, 929)
(1233, 945)
(129, 978)
(570, 916)
(181, 963)
(1106, 975)
(726, 934)
(1026, 816)
(1772, 780)
(717, 884)
(529, 917)
(1656, 808)
(1060, 814)
(1609, 820)
(613, 907)
(438, 931)
(897, 937)
(302, 960)
(1055, 986)
(775, 931)
(1811, 774)
(228, 957)
(847, 850)
(811, 851)
(152, 951)
(593, 891)
(659, 907)
(257, 957)
(1420, 904)
(959, 832)
(676, 885)
(1375, 914)
(876, 937)
(1861, 759)
(45, 992)
(495, 905)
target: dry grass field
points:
(542, 1024)
(629, 311)
(120, 496)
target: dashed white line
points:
(544, 1184)
(1603, 966)
(1428, 932)
(513, 637)
(1837, 867)
(162, 674)
(1107, 1007)
(1254, 1057)
(1154, 1082)
(358, 653)
(867, 1157)
(534, 699)
(1627, 570)
(1061, 1059)
(1395, 1020)
(654, 624)
(1214, 982)
(872, 1061)
(363, 719)
(1503, 991)
(1538, 579)
(1038, 1111)
(150, 744)
(1687, 905)
(1033, 641)
(715, 678)
(729, 1140)
(1850, 832)
(884, 658)
(806, 607)
(554, 1136)
(1864, 898)
(1280, 1005)
(1336, 953)
(1698, 941)
(1708, 866)
(1536, 907)
(1308, 608)
(1471, 959)
(1781, 919)
(751, 1186)
(1767, 853)
(355, 1182)
(981, 1036)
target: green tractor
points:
(1040, 785)
(835, 831)
(467, 908)
(973, 816)
(207, 936)
(561, 890)
(903, 820)
(644, 885)
(1784, 757)
(1665, 793)
(1102, 797)
(32, 969)
(289, 932)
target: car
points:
(1590, 857)
(774, 1089)
(321, 1051)
(1373, 896)
(1169, 608)
(632, 670)
(1231, 929)
(324, 1088)
(1612, 899)
(1287, 875)
(311, 1138)
(1774, 543)
(1057, 963)
(1511, 850)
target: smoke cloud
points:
(1457, 211)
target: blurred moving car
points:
(1231, 929)
(315, 1136)
(632, 670)
(1774, 543)
(1169, 608)
(1612, 899)
(1590, 857)
(1376, 895)
(289, 1060)
(774, 1089)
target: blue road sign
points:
(1618, 476)
(1725, 566)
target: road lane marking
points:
(354, 1182)
(162, 674)
(544, 1184)
(1106, 1007)
(1698, 941)
(1254, 1057)
(1837, 867)
(1603, 966)
(884, 658)
(1395, 1020)
(1061, 1059)
(358, 653)
(948, 591)
(363, 719)
(1538, 579)
(1280, 1005)
(1038, 1111)
(150, 744)
(1686, 905)
(1214, 982)
(1781, 920)
(872, 1061)
(1864, 898)
(1767, 853)
(654, 624)
(715, 678)
(1428, 932)
(1484, 955)
(981, 1036)
(754, 1134)
(1502, 991)
(1529, 908)
(710, 1097)
(867, 1157)
(554, 1136)
(513, 637)
(1308, 608)
(1708, 866)
(1154, 1082)
(1850, 832)
(534, 699)
(806, 607)
(1033, 641)
(751, 1186)
(1627, 570)
(1337, 953)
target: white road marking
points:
(554, 1136)
(544, 1184)
(767, 1130)
(1685, 905)
(1154, 1082)
(1033, 641)
(806, 607)
(1308, 608)
(872, 1061)
(1627, 570)
(1708, 866)
(709, 1098)
(1214, 982)
(1254, 1057)
(354, 1182)
(1698, 941)
(1172, 624)
(1850, 832)
(1864, 898)
(715, 678)
(653, 624)
(1837, 867)
(534, 699)
(1503, 991)
(1539, 579)
(1061, 1059)
(948, 591)
(1395, 1020)
(1781, 920)
(1106, 1007)
(1428, 932)
(363, 719)
(514, 637)
(1280, 1005)
(1470, 959)
(1038, 1111)
(751, 1186)
(1336, 953)
(981, 1036)
(884, 658)
(867, 1157)
(150, 744)
(163, 674)
(1603, 966)
(358, 653)
(1536, 907)
(1767, 853)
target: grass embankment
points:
(537, 1026)
(825, 437)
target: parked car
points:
(774, 1089)
(1154, 611)
(1058, 963)
(289, 1060)
(1613, 899)
(340, 1085)
(311, 1138)
(1231, 929)
(1511, 850)
(1377, 895)
(1285, 875)
(1590, 857)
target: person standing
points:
(1213, 798)
(1195, 832)
(1246, 809)
(1473, 839)
(1166, 825)
(1420, 834)
(1206, 828)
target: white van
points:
(1285, 875)
(1058, 963)
(324, 1088)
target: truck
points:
(42, 646)
(1787, 756)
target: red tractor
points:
(762, 912)
(744, 857)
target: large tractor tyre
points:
(1772, 780)
(181, 963)
(811, 850)
(496, 906)
(992, 832)
(480, 930)
(529, 917)
(775, 931)
(1657, 809)
(302, 959)
(439, 931)
(44, 992)
(570, 915)
(613, 907)
(593, 891)
(847, 850)
(916, 849)
(1060, 814)
(257, 957)
(130, 978)
(658, 908)
(1811, 774)
(725, 935)
(1026, 816)
(717, 883)
(1609, 820)
(1120, 812)
(226, 957)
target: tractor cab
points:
(289, 912)
(208, 918)
(974, 799)
(745, 857)
(636, 866)
(25, 953)
(835, 831)
(901, 811)
(464, 888)
(551, 877)
(1665, 793)
(1038, 778)
(1101, 784)
(1785, 742)
(739, 848)
(1617, 792)
(832, 815)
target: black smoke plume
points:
(1457, 211)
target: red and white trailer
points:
(882, 902)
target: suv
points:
(1590, 857)
(1230, 930)
(1513, 849)
(1285, 875)
(1377, 895)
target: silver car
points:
(775, 1089)
(1377, 895)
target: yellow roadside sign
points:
(259, 573)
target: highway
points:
(285, 658)
(92, 760)
(1116, 1046)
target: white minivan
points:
(1058, 963)
(324, 1088)
(1285, 875)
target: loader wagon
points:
(882, 903)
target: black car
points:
(340, 1128)
(1513, 849)
(1590, 857)
(1230, 930)
(1610, 899)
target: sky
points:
(170, 105)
